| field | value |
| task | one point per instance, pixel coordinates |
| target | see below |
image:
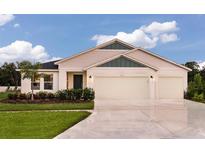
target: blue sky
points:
(65, 35)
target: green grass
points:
(60, 106)
(37, 125)
(3, 95)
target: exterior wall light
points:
(90, 76)
(151, 77)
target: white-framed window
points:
(35, 85)
(48, 81)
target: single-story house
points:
(115, 70)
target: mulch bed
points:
(40, 101)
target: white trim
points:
(105, 50)
(48, 70)
(123, 76)
(170, 69)
(72, 69)
(44, 70)
(120, 68)
(170, 76)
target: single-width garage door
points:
(171, 88)
(121, 88)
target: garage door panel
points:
(171, 88)
(121, 88)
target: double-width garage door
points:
(137, 88)
(121, 88)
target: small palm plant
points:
(29, 71)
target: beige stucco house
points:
(116, 70)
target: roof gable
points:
(119, 55)
(122, 61)
(80, 59)
(101, 46)
(117, 45)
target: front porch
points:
(72, 80)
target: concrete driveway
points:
(185, 119)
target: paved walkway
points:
(47, 111)
(155, 121)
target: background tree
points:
(202, 72)
(195, 70)
(29, 71)
(9, 76)
(196, 88)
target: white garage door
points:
(121, 88)
(171, 88)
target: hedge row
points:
(72, 94)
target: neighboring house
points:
(116, 71)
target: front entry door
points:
(78, 81)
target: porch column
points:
(41, 84)
(62, 79)
(25, 85)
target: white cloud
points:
(168, 37)
(156, 28)
(201, 64)
(147, 36)
(5, 18)
(23, 50)
(16, 25)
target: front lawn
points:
(60, 106)
(38, 125)
(3, 95)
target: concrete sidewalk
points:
(47, 111)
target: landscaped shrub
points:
(28, 95)
(50, 95)
(42, 94)
(61, 94)
(22, 96)
(92, 94)
(77, 94)
(198, 97)
(36, 96)
(10, 96)
(13, 96)
(69, 94)
(186, 95)
(88, 94)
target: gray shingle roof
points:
(49, 65)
